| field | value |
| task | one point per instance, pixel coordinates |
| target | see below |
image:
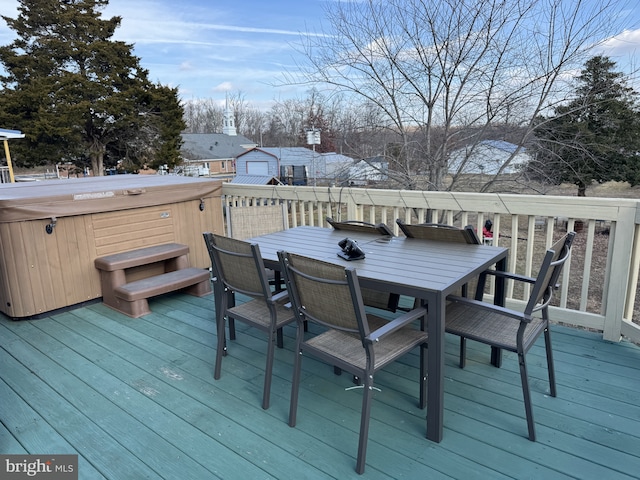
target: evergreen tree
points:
(596, 135)
(80, 96)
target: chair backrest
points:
(249, 222)
(552, 265)
(439, 232)
(237, 265)
(324, 293)
(359, 226)
(371, 298)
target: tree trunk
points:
(97, 158)
(582, 189)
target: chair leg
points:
(550, 367)
(268, 371)
(496, 357)
(463, 352)
(295, 382)
(279, 338)
(278, 281)
(423, 377)
(221, 349)
(526, 393)
(231, 302)
(367, 396)
(232, 329)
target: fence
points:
(598, 288)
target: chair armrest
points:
(507, 312)
(512, 276)
(396, 324)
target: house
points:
(338, 167)
(292, 165)
(487, 157)
(214, 153)
(368, 170)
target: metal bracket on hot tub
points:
(49, 228)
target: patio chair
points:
(360, 226)
(328, 296)
(444, 233)
(513, 330)
(238, 268)
(249, 222)
(439, 232)
(372, 298)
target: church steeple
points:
(229, 127)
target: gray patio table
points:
(422, 269)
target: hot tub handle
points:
(49, 228)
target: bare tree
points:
(443, 74)
(203, 116)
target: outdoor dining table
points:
(423, 269)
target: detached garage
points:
(281, 162)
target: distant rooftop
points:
(6, 134)
(214, 146)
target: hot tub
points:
(51, 232)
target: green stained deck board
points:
(251, 445)
(195, 425)
(350, 445)
(111, 404)
(86, 437)
(591, 430)
(413, 443)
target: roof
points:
(488, 157)
(287, 155)
(213, 146)
(333, 157)
(255, 180)
(501, 145)
(6, 134)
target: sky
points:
(207, 48)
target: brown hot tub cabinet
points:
(52, 231)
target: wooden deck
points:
(136, 399)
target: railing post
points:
(617, 279)
(633, 280)
(352, 208)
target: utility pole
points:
(313, 138)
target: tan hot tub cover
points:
(65, 198)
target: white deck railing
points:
(598, 288)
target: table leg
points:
(435, 368)
(499, 299)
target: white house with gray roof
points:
(487, 157)
(213, 153)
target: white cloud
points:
(223, 87)
(626, 42)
